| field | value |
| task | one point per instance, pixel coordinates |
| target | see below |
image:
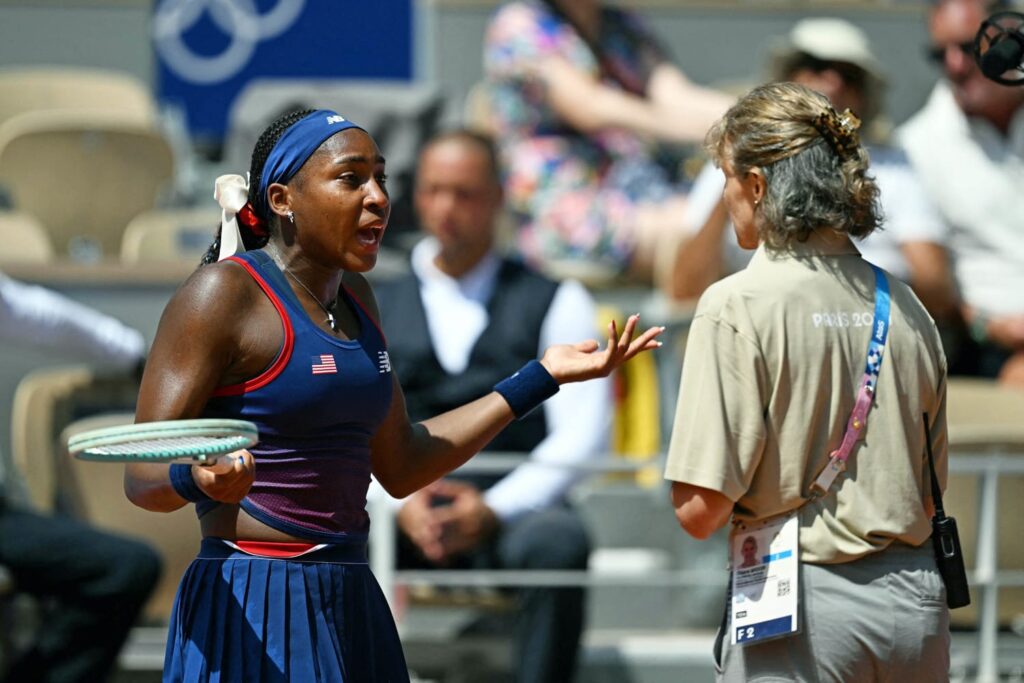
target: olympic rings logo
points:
(241, 20)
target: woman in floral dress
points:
(579, 92)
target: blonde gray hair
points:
(812, 160)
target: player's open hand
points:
(586, 360)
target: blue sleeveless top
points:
(317, 406)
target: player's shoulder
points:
(213, 298)
(223, 282)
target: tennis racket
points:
(197, 442)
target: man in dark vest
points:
(462, 320)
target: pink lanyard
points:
(865, 395)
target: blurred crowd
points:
(607, 193)
(581, 184)
(580, 156)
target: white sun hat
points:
(830, 40)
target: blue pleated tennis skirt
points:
(244, 618)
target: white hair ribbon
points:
(231, 192)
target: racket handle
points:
(222, 464)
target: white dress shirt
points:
(38, 317)
(976, 177)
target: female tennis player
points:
(286, 335)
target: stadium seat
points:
(52, 404)
(169, 235)
(83, 175)
(46, 400)
(41, 402)
(41, 88)
(24, 240)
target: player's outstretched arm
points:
(408, 456)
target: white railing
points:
(384, 562)
(987, 463)
(985, 578)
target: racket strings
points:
(200, 440)
(181, 445)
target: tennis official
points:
(800, 415)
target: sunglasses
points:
(851, 74)
(937, 53)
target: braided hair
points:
(260, 152)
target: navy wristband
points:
(184, 485)
(528, 388)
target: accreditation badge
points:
(765, 572)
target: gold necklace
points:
(326, 309)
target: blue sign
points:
(764, 630)
(208, 50)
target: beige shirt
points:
(773, 362)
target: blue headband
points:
(293, 148)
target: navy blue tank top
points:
(317, 406)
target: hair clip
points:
(247, 216)
(839, 131)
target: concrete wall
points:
(103, 35)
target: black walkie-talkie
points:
(946, 540)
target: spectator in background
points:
(91, 585)
(460, 321)
(578, 91)
(833, 57)
(967, 146)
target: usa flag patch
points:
(324, 365)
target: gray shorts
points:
(880, 618)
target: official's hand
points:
(583, 361)
(230, 483)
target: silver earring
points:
(291, 216)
